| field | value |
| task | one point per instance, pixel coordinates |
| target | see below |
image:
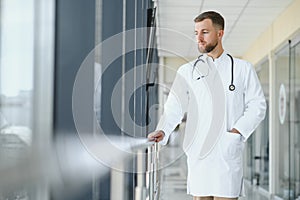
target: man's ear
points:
(220, 33)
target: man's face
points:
(207, 35)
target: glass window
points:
(282, 134)
(257, 147)
(262, 133)
(16, 85)
(17, 43)
(294, 122)
(16, 70)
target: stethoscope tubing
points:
(231, 86)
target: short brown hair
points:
(215, 17)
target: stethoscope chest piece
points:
(231, 87)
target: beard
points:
(208, 48)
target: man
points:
(214, 136)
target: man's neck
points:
(216, 53)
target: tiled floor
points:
(254, 193)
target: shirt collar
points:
(221, 58)
(216, 61)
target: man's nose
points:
(199, 37)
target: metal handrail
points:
(153, 172)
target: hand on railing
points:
(156, 136)
(153, 175)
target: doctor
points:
(224, 103)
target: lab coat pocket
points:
(232, 146)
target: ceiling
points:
(245, 20)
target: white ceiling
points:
(245, 20)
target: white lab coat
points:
(219, 172)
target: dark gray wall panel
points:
(112, 23)
(75, 37)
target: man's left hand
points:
(235, 131)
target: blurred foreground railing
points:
(68, 164)
(148, 184)
(153, 175)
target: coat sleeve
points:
(254, 104)
(175, 106)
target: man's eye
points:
(205, 32)
(196, 33)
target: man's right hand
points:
(156, 136)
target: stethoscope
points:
(231, 86)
